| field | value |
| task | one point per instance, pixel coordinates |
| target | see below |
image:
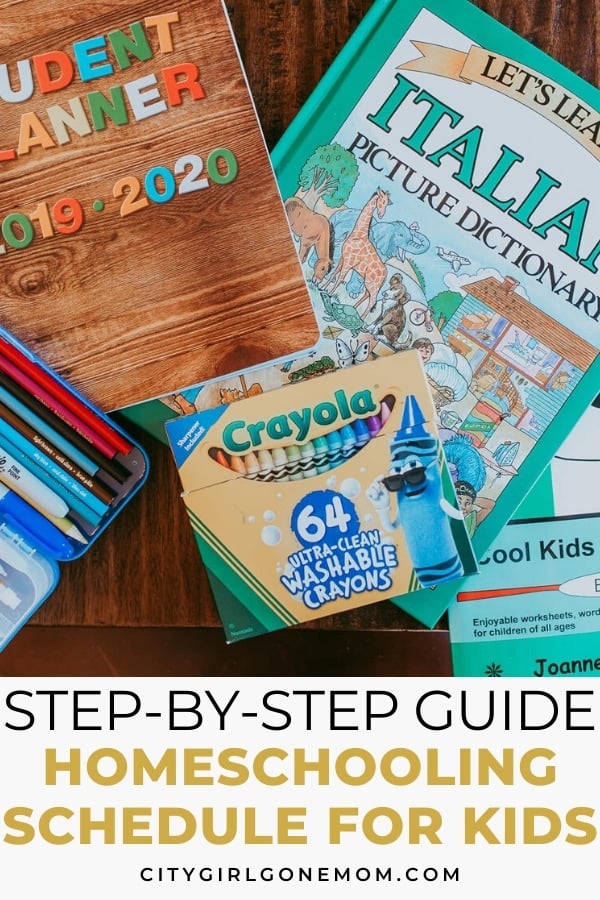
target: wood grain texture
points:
(160, 288)
(144, 572)
(178, 652)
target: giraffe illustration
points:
(359, 254)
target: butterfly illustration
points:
(355, 353)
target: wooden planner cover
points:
(144, 246)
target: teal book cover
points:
(534, 609)
(437, 185)
(484, 149)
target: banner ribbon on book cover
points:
(527, 86)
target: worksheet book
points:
(534, 609)
(144, 245)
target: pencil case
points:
(66, 471)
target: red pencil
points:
(56, 407)
(66, 404)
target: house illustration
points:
(524, 362)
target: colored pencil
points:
(74, 502)
(26, 415)
(59, 432)
(56, 406)
(99, 490)
(82, 523)
(58, 397)
(24, 483)
(64, 524)
(71, 401)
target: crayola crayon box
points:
(321, 496)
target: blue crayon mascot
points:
(414, 477)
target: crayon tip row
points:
(314, 457)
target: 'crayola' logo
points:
(240, 436)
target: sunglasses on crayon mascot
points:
(412, 477)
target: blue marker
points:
(36, 529)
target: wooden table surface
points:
(138, 603)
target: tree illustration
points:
(444, 305)
(329, 175)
